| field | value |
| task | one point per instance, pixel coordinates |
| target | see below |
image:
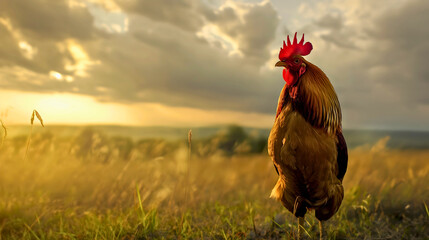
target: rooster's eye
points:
(296, 60)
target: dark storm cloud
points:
(47, 58)
(9, 51)
(405, 26)
(403, 49)
(160, 59)
(337, 34)
(382, 77)
(165, 57)
(43, 24)
(186, 14)
(254, 31)
(177, 69)
(330, 21)
(407, 39)
(48, 19)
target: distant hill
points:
(354, 138)
(170, 133)
(398, 139)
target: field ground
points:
(56, 193)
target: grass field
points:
(62, 191)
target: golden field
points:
(93, 186)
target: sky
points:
(208, 62)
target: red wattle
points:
(289, 78)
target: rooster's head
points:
(291, 59)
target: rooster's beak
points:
(281, 64)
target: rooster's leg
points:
(321, 230)
(300, 226)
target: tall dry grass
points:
(57, 193)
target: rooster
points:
(306, 142)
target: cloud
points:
(36, 33)
(376, 60)
(159, 59)
(9, 50)
(330, 21)
(49, 19)
(190, 53)
(171, 66)
(402, 44)
(251, 26)
(186, 14)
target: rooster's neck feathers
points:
(317, 100)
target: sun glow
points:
(64, 108)
(55, 75)
(81, 60)
(27, 50)
(67, 108)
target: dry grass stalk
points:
(4, 134)
(38, 117)
(35, 113)
(187, 184)
(188, 167)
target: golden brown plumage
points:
(306, 142)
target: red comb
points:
(295, 48)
